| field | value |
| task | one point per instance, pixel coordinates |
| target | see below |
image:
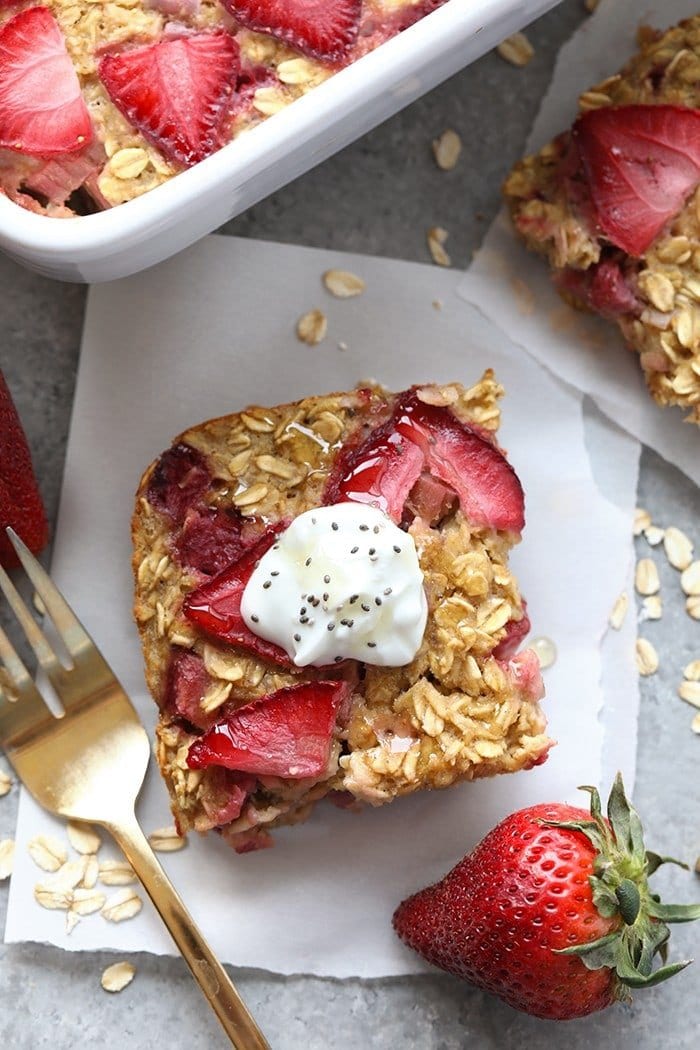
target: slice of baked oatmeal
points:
(326, 609)
(614, 206)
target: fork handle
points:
(206, 969)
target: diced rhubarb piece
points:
(380, 471)
(430, 499)
(215, 607)
(525, 669)
(225, 795)
(185, 685)
(640, 164)
(42, 110)
(60, 176)
(286, 734)
(324, 29)
(210, 540)
(176, 91)
(603, 288)
(384, 468)
(516, 633)
(178, 481)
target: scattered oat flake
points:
(312, 327)
(651, 608)
(54, 900)
(619, 611)
(691, 671)
(166, 840)
(117, 976)
(69, 875)
(83, 837)
(646, 577)
(437, 304)
(516, 49)
(87, 902)
(343, 284)
(7, 857)
(446, 149)
(5, 783)
(524, 297)
(642, 521)
(436, 237)
(72, 920)
(117, 873)
(678, 548)
(647, 657)
(654, 535)
(124, 904)
(692, 607)
(690, 579)
(690, 692)
(47, 852)
(545, 650)
(91, 873)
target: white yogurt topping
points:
(341, 582)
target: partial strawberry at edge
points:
(640, 164)
(21, 506)
(324, 29)
(215, 607)
(285, 734)
(42, 110)
(176, 90)
(420, 437)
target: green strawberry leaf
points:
(654, 862)
(674, 912)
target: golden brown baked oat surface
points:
(461, 709)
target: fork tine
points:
(29, 706)
(43, 651)
(73, 634)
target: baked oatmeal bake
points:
(326, 609)
(614, 205)
(102, 100)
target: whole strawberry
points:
(552, 911)
(20, 502)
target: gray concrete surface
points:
(378, 196)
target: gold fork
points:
(89, 765)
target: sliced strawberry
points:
(324, 29)
(516, 633)
(178, 480)
(380, 471)
(216, 605)
(285, 734)
(210, 540)
(176, 91)
(384, 468)
(186, 683)
(42, 110)
(640, 163)
(21, 506)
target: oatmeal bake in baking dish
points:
(326, 609)
(102, 100)
(614, 204)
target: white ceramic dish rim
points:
(140, 218)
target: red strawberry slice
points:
(216, 605)
(285, 734)
(640, 163)
(381, 471)
(176, 91)
(20, 502)
(324, 29)
(42, 110)
(179, 479)
(210, 540)
(385, 467)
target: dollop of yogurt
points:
(342, 582)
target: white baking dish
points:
(147, 230)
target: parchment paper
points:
(205, 334)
